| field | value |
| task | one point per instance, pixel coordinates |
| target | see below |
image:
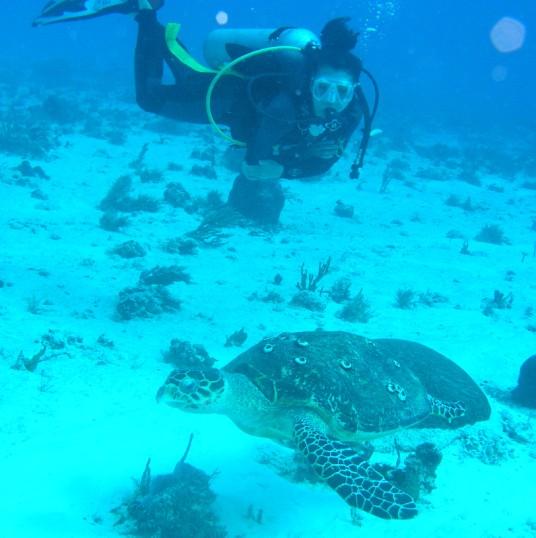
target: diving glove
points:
(70, 10)
(267, 170)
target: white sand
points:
(76, 431)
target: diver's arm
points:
(273, 122)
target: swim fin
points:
(70, 10)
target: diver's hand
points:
(324, 149)
(268, 170)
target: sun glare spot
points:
(508, 34)
(222, 17)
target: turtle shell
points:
(351, 383)
(442, 379)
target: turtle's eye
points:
(188, 385)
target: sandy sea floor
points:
(79, 427)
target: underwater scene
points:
(268, 269)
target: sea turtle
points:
(323, 391)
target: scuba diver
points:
(291, 100)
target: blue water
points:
(432, 58)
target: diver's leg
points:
(184, 100)
(149, 61)
(260, 201)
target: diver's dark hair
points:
(338, 36)
(337, 40)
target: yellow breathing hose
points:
(226, 70)
(171, 33)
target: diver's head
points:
(332, 90)
(335, 70)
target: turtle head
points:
(193, 390)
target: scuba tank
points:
(226, 44)
(227, 51)
(226, 48)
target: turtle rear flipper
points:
(352, 477)
(443, 380)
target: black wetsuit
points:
(280, 126)
(288, 132)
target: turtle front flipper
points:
(352, 477)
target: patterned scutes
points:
(340, 376)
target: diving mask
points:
(335, 93)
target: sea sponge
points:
(525, 392)
(308, 300)
(129, 249)
(171, 505)
(164, 276)
(356, 309)
(183, 354)
(145, 302)
(177, 196)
